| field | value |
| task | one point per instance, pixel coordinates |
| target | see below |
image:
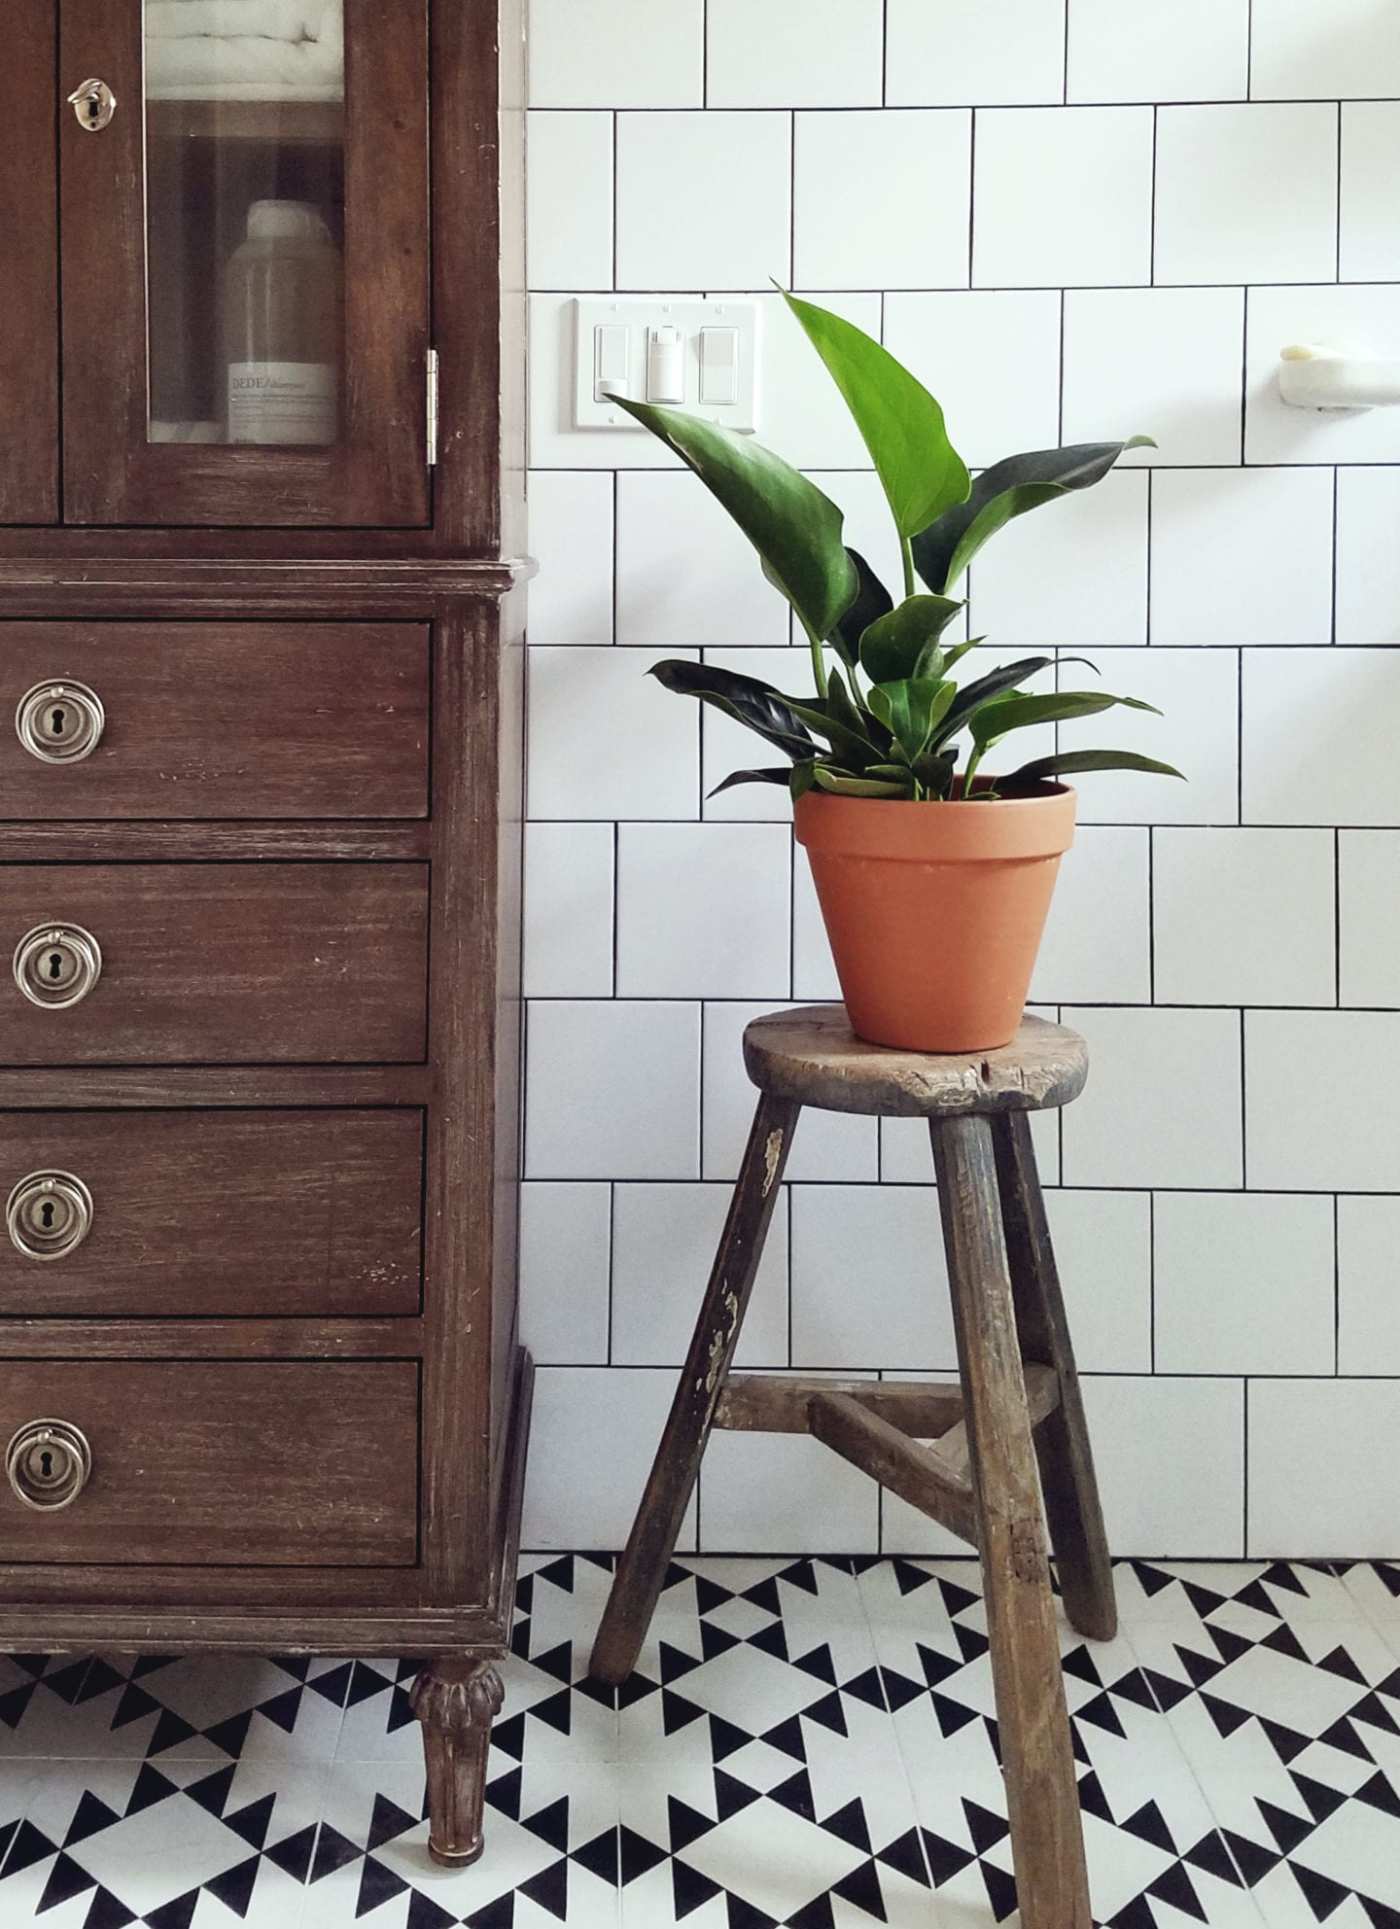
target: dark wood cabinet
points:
(260, 785)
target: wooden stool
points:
(1018, 1400)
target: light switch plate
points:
(642, 314)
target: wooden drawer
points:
(234, 1214)
(223, 720)
(244, 1463)
(225, 963)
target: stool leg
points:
(1062, 1441)
(1041, 1793)
(642, 1569)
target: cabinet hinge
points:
(432, 375)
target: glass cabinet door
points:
(245, 261)
(28, 249)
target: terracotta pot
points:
(935, 911)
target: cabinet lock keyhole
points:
(60, 722)
(49, 1214)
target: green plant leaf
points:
(779, 776)
(847, 742)
(904, 643)
(972, 696)
(873, 601)
(912, 708)
(842, 708)
(1019, 710)
(899, 421)
(943, 550)
(757, 705)
(793, 526)
(960, 650)
(802, 778)
(841, 784)
(1064, 763)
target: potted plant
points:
(934, 876)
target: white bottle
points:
(282, 328)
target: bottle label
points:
(282, 402)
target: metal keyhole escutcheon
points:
(94, 104)
(57, 965)
(47, 1464)
(48, 1215)
(60, 722)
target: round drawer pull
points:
(48, 1215)
(60, 723)
(57, 965)
(48, 1463)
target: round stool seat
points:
(814, 1058)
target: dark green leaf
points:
(779, 776)
(1064, 763)
(848, 743)
(757, 705)
(873, 600)
(841, 706)
(801, 779)
(793, 526)
(1019, 710)
(973, 695)
(904, 643)
(900, 422)
(843, 785)
(1009, 488)
(912, 708)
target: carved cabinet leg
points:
(456, 1699)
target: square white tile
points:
(1095, 948)
(565, 1256)
(704, 911)
(1162, 1105)
(992, 358)
(1368, 566)
(1071, 572)
(1361, 319)
(1311, 1133)
(1164, 362)
(664, 1243)
(784, 1493)
(1031, 166)
(687, 574)
(1301, 54)
(1340, 702)
(1313, 1469)
(869, 1281)
(802, 414)
(795, 53)
(1370, 221)
(612, 1090)
(1242, 556)
(1267, 173)
(845, 237)
(703, 198)
(1169, 1455)
(1158, 50)
(569, 910)
(571, 535)
(1369, 917)
(576, 61)
(939, 54)
(825, 1145)
(593, 1439)
(1244, 1283)
(581, 698)
(569, 202)
(1103, 1249)
(1244, 917)
(1368, 1286)
(1197, 692)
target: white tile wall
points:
(1076, 220)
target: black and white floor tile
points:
(807, 1743)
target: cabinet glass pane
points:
(245, 173)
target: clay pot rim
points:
(1046, 791)
(955, 831)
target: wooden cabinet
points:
(260, 775)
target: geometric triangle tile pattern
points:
(806, 1744)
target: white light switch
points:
(719, 365)
(612, 356)
(679, 350)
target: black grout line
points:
(1336, 1286)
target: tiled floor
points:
(807, 1743)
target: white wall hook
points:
(1311, 376)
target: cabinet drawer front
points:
(224, 963)
(229, 1214)
(221, 720)
(247, 1464)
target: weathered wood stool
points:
(1018, 1399)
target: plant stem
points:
(906, 550)
(974, 757)
(814, 643)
